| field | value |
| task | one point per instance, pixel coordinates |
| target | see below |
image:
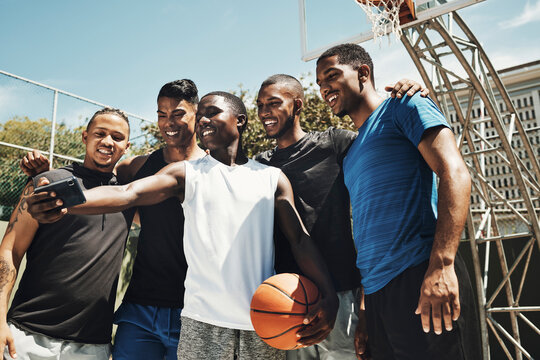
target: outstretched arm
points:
(321, 320)
(18, 237)
(440, 292)
(168, 182)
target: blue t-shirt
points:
(392, 189)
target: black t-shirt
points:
(160, 266)
(68, 288)
(313, 166)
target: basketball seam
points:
(289, 296)
(277, 312)
(284, 332)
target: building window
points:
(524, 102)
(533, 116)
(519, 103)
(527, 115)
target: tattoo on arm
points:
(7, 274)
(21, 206)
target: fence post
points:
(53, 128)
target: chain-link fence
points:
(37, 116)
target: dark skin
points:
(280, 103)
(219, 129)
(106, 141)
(349, 91)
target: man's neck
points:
(231, 155)
(370, 101)
(191, 151)
(291, 137)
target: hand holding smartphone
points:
(68, 190)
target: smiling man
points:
(406, 224)
(313, 163)
(149, 318)
(65, 301)
(229, 205)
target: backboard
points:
(324, 23)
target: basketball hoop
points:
(388, 15)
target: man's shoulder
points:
(128, 168)
(57, 174)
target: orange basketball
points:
(279, 306)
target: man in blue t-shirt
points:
(406, 232)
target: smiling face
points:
(339, 85)
(276, 109)
(176, 120)
(217, 125)
(107, 140)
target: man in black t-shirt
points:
(65, 299)
(313, 163)
(149, 318)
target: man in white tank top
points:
(229, 204)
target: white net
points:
(384, 16)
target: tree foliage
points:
(34, 134)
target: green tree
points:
(35, 134)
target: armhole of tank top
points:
(188, 182)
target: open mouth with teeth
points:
(105, 152)
(207, 131)
(331, 99)
(269, 123)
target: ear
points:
(364, 73)
(299, 105)
(241, 121)
(84, 136)
(127, 147)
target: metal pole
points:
(53, 129)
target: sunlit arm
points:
(168, 182)
(321, 319)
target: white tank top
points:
(228, 238)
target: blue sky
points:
(120, 52)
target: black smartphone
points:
(68, 190)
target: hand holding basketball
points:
(288, 312)
(319, 321)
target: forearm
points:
(452, 208)
(110, 199)
(311, 263)
(8, 274)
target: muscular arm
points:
(18, 237)
(440, 287)
(150, 190)
(308, 258)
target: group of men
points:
(208, 238)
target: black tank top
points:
(68, 288)
(160, 266)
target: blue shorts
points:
(146, 332)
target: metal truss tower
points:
(468, 89)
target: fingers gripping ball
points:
(279, 306)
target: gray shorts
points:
(340, 342)
(31, 346)
(200, 340)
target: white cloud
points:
(529, 14)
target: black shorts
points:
(395, 331)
